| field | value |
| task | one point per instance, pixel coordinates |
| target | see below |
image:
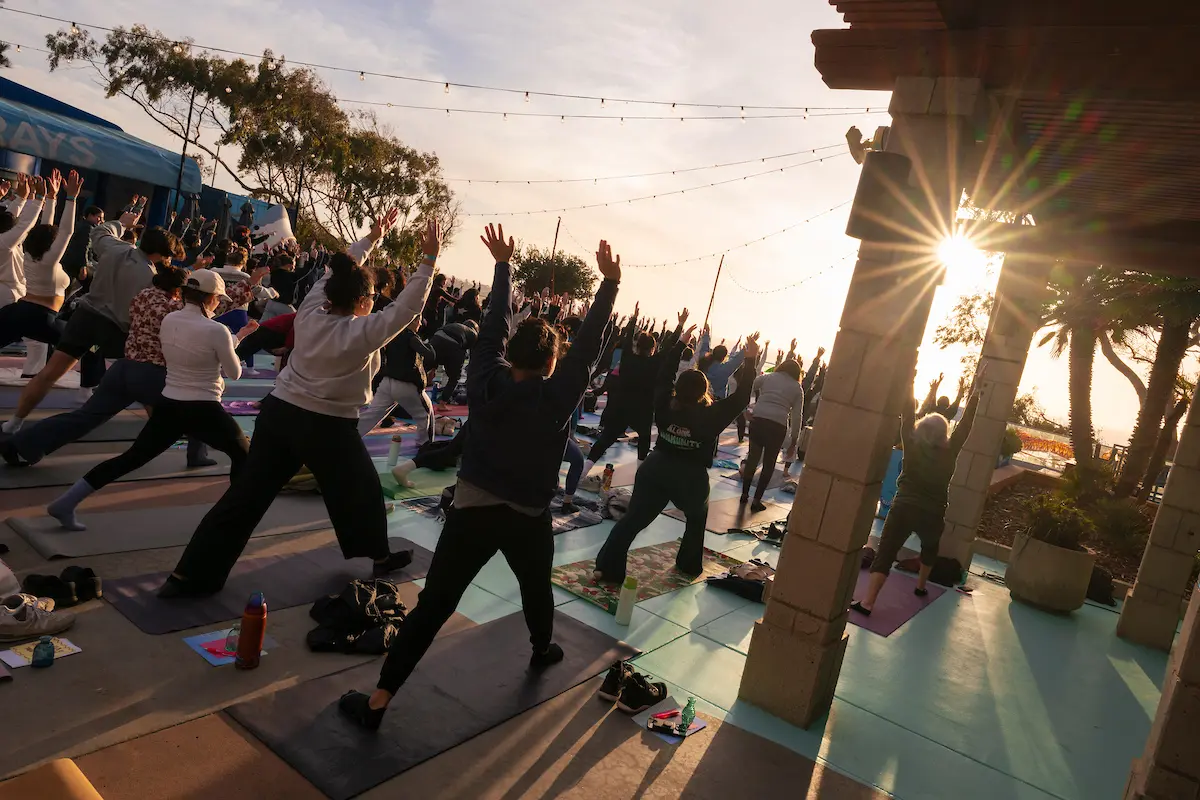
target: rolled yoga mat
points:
(467, 683)
(65, 466)
(151, 528)
(285, 581)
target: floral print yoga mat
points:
(654, 568)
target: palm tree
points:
(1172, 305)
(1078, 313)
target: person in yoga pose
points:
(311, 419)
(100, 323)
(197, 350)
(930, 454)
(138, 377)
(942, 405)
(689, 423)
(403, 383)
(780, 404)
(521, 399)
(450, 344)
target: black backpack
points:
(1100, 587)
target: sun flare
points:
(966, 264)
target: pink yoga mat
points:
(896, 604)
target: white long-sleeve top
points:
(197, 350)
(780, 399)
(45, 276)
(12, 257)
(336, 356)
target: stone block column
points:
(1151, 612)
(1169, 769)
(796, 652)
(1016, 316)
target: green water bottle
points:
(43, 653)
(686, 718)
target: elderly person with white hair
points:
(930, 453)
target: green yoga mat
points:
(426, 482)
(654, 568)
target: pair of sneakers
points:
(23, 617)
(632, 691)
(73, 586)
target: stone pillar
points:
(1169, 769)
(1016, 317)
(795, 655)
(1151, 611)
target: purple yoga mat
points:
(241, 408)
(378, 445)
(286, 581)
(896, 604)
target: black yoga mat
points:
(286, 581)
(467, 683)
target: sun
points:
(966, 264)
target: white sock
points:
(13, 425)
(401, 470)
(63, 509)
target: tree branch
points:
(1120, 366)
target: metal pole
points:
(714, 291)
(187, 137)
(299, 190)
(216, 161)
(553, 250)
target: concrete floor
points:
(974, 697)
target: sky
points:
(790, 285)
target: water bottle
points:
(253, 631)
(606, 481)
(394, 450)
(626, 601)
(43, 653)
(686, 717)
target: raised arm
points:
(963, 429)
(665, 388)
(66, 228)
(811, 375)
(727, 409)
(908, 419)
(931, 398)
(315, 299)
(380, 328)
(14, 236)
(488, 355)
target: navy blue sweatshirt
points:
(404, 358)
(691, 432)
(519, 428)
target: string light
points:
(177, 49)
(228, 90)
(527, 97)
(170, 79)
(271, 65)
(279, 97)
(447, 84)
(18, 48)
(648, 196)
(800, 282)
(362, 76)
(602, 102)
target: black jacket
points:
(691, 433)
(75, 257)
(458, 333)
(404, 359)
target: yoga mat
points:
(55, 398)
(467, 684)
(724, 515)
(241, 408)
(654, 568)
(150, 528)
(381, 444)
(623, 474)
(895, 605)
(249, 389)
(426, 483)
(775, 482)
(450, 411)
(65, 466)
(286, 581)
(561, 523)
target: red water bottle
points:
(254, 630)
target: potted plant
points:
(1009, 447)
(1049, 567)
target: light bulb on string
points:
(602, 102)
(177, 49)
(446, 88)
(279, 97)
(228, 90)
(362, 76)
(622, 122)
(562, 120)
(743, 113)
(447, 112)
(170, 79)
(74, 29)
(271, 66)
(506, 117)
(527, 97)
(18, 48)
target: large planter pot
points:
(1048, 577)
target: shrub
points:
(1121, 523)
(1011, 444)
(1055, 519)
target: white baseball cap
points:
(208, 282)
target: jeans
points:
(662, 479)
(128, 382)
(469, 539)
(575, 456)
(205, 420)
(766, 440)
(287, 437)
(410, 398)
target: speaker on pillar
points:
(882, 203)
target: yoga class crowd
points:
(161, 318)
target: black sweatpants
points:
(766, 440)
(902, 521)
(662, 479)
(205, 420)
(613, 426)
(451, 358)
(90, 338)
(287, 437)
(261, 339)
(469, 539)
(741, 426)
(26, 320)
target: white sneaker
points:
(591, 483)
(24, 616)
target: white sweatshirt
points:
(335, 356)
(44, 277)
(12, 257)
(780, 398)
(197, 350)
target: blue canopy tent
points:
(37, 132)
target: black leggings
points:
(287, 437)
(741, 426)
(205, 420)
(662, 479)
(614, 428)
(26, 320)
(261, 339)
(766, 440)
(469, 539)
(451, 358)
(903, 520)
